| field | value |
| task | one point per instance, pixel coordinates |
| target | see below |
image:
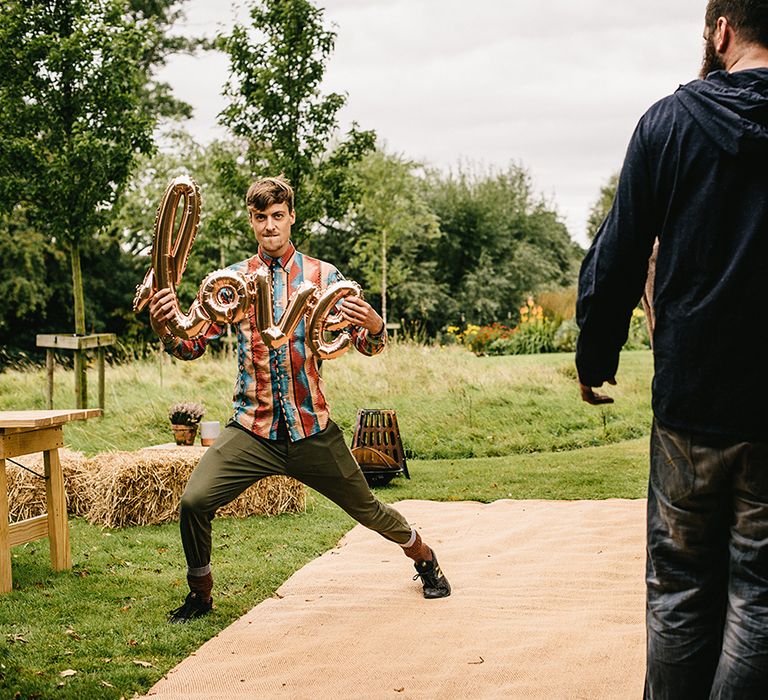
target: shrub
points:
(559, 304)
(566, 336)
(450, 335)
(529, 338)
(638, 338)
(479, 338)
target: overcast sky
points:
(557, 85)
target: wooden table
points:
(79, 344)
(22, 433)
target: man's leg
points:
(233, 463)
(325, 463)
(743, 669)
(687, 565)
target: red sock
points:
(418, 551)
(201, 586)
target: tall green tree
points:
(24, 289)
(499, 242)
(73, 117)
(157, 18)
(276, 106)
(395, 231)
(602, 206)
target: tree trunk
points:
(384, 276)
(77, 289)
(81, 386)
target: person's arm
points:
(368, 332)
(369, 335)
(161, 310)
(614, 271)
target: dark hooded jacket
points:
(696, 176)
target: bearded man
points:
(696, 176)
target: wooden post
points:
(6, 580)
(50, 361)
(81, 381)
(58, 531)
(100, 355)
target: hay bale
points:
(26, 492)
(145, 487)
(118, 489)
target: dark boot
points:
(193, 607)
(198, 602)
(432, 578)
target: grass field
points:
(476, 428)
(450, 404)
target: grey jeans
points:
(707, 568)
(238, 459)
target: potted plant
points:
(185, 417)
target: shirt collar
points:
(283, 261)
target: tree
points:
(602, 206)
(499, 242)
(36, 284)
(72, 117)
(23, 286)
(157, 17)
(395, 230)
(276, 107)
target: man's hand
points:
(360, 313)
(161, 309)
(588, 394)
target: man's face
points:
(712, 60)
(272, 228)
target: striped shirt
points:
(283, 382)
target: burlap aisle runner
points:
(548, 603)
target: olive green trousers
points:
(239, 459)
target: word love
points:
(226, 296)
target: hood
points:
(732, 108)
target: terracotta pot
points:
(184, 434)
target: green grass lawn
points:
(450, 404)
(481, 429)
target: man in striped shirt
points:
(281, 423)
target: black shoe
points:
(432, 578)
(193, 608)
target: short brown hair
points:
(267, 191)
(749, 18)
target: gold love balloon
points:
(170, 255)
(225, 296)
(274, 335)
(323, 319)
